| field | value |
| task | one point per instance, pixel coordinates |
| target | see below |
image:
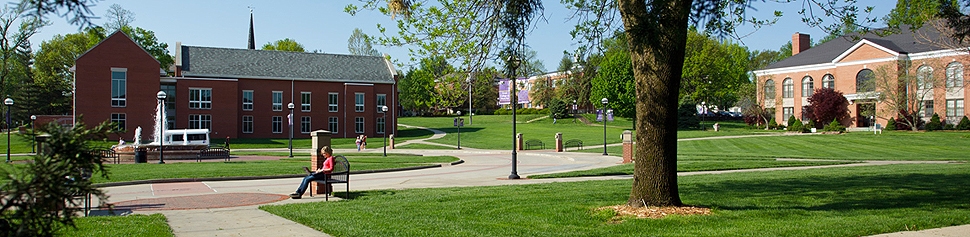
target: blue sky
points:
(322, 25)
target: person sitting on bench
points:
(322, 173)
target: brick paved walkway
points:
(205, 201)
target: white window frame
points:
(277, 100)
(954, 110)
(381, 101)
(828, 81)
(954, 75)
(305, 101)
(119, 95)
(200, 98)
(247, 105)
(788, 88)
(808, 86)
(359, 102)
(359, 124)
(927, 109)
(200, 121)
(333, 124)
(787, 112)
(924, 77)
(277, 124)
(247, 124)
(332, 99)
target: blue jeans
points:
(309, 178)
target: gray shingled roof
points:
(266, 64)
(904, 42)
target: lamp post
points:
(514, 64)
(290, 117)
(458, 124)
(384, 113)
(33, 144)
(703, 114)
(469, 80)
(574, 111)
(8, 102)
(161, 126)
(604, 101)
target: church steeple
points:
(252, 37)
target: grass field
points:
(111, 226)
(854, 201)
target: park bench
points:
(534, 142)
(107, 154)
(339, 174)
(84, 175)
(213, 153)
(573, 143)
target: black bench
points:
(573, 143)
(339, 174)
(84, 175)
(107, 154)
(534, 142)
(213, 153)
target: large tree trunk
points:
(657, 38)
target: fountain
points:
(179, 143)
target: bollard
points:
(390, 139)
(319, 139)
(559, 147)
(518, 142)
(627, 146)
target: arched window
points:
(864, 81)
(787, 88)
(924, 77)
(808, 86)
(954, 75)
(828, 81)
(769, 89)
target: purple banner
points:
(609, 115)
(599, 115)
(504, 97)
(523, 97)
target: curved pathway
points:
(217, 208)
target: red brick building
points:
(236, 93)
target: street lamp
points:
(703, 114)
(458, 124)
(32, 119)
(574, 111)
(605, 101)
(8, 102)
(469, 80)
(384, 113)
(290, 106)
(514, 64)
(161, 126)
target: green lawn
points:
(111, 226)
(424, 147)
(286, 166)
(692, 165)
(852, 201)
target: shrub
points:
(834, 126)
(791, 120)
(891, 124)
(948, 126)
(558, 109)
(796, 126)
(772, 124)
(964, 124)
(811, 125)
(934, 123)
(828, 104)
(687, 117)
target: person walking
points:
(358, 141)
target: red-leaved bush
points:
(827, 105)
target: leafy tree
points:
(687, 116)
(542, 91)
(359, 44)
(286, 44)
(35, 195)
(144, 38)
(614, 80)
(934, 123)
(713, 71)
(118, 17)
(760, 59)
(78, 11)
(16, 28)
(828, 104)
(484, 92)
(558, 109)
(891, 124)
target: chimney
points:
(178, 58)
(800, 42)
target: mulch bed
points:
(656, 212)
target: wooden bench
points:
(213, 153)
(573, 143)
(107, 154)
(339, 174)
(534, 142)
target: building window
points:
(277, 101)
(807, 113)
(828, 81)
(200, 98)
(927, 109)
(119, 89)
(305, 101)
(381, 101)
(787, 88)
(277, 124)
(247, 124)
(787, 112)
(359, 124)
(864, 81)
(954, 75)
(332, 102)
(333, 125)
(120, 120)
(954, 111)
(808, 86)
(359, 102)
(380, 125)
(924, 77)
(247, 100)
(305, 124)
(769, 89)
(200, 121)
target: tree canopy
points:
(286, 44)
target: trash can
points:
(141, 156)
